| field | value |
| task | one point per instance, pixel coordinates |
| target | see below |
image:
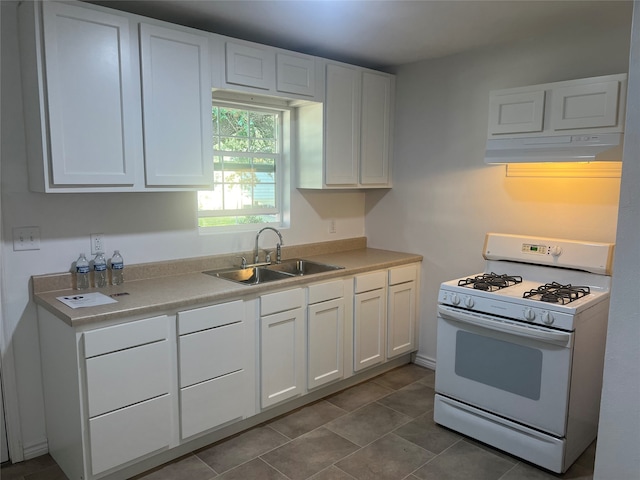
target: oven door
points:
(515, 370)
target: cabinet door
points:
(92, 102)
(129, 433)
(369, 324)
(375, 148)
(401, 318)
(282, 341)
(516, 113)
(585, 106)
(325, 337)
(295, 74)
(250, 66)
(176, 95)
(342, 125)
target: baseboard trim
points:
(36, 449)
(426, 362)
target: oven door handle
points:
(559, 338)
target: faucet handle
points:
(244, 262)
(267, 258)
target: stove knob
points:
(468, 302)
(455, 299)
(529, 314)
(547, 318)
(555, 251)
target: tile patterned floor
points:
(382, 429)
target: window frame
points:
(282, 164)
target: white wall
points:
(445, 199)
(618, 453)
(145, 227)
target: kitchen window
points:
(247, 161)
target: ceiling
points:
(383, 33)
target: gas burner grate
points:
(490, 282)
(554, 292)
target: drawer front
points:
(326, 291)
(281, 301)
(123, 378)
(209, 354)
(209, 404)
(210, 317)
(370, 281)
(124, 435)
(126, 335)
(402, 274)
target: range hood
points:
(557, 148)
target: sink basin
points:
(251, 276)
(298, 266)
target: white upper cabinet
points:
(82, 107)
(270, 71)
(562, 108)
(347, 141)
(176, 99)
(82, 68)
(249, 66)
(516, 112)
(295, 74)
(589, 105)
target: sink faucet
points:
(278, 245)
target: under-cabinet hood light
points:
(561, 148)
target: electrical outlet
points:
(332, 226)
(26, 238)
(97, 243)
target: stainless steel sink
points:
(251, 275)
(276, 271)
(299, 267)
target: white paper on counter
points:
(86, 300)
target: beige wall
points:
(445, 199)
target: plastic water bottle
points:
(82, 272)
(117, 269)
(100, 270)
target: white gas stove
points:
(521, 347)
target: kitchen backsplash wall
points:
(145, 227)
(445, 198)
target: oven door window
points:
(507, 366)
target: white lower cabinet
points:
(325, 333)
(214, 363)
(282, 346)
(369, 319)
(128, 386)
(401, 311)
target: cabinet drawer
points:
(209, 354)
(281, 301)
(212, 403)
(370, 281)
(402, 274)
(123, 378)
(127, 434)
(210, 317)
(126, 335)
(326, 291)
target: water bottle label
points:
(99, 268)
(82, 269)
(117, 266)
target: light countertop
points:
(166, 294)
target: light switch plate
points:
(26, 238)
